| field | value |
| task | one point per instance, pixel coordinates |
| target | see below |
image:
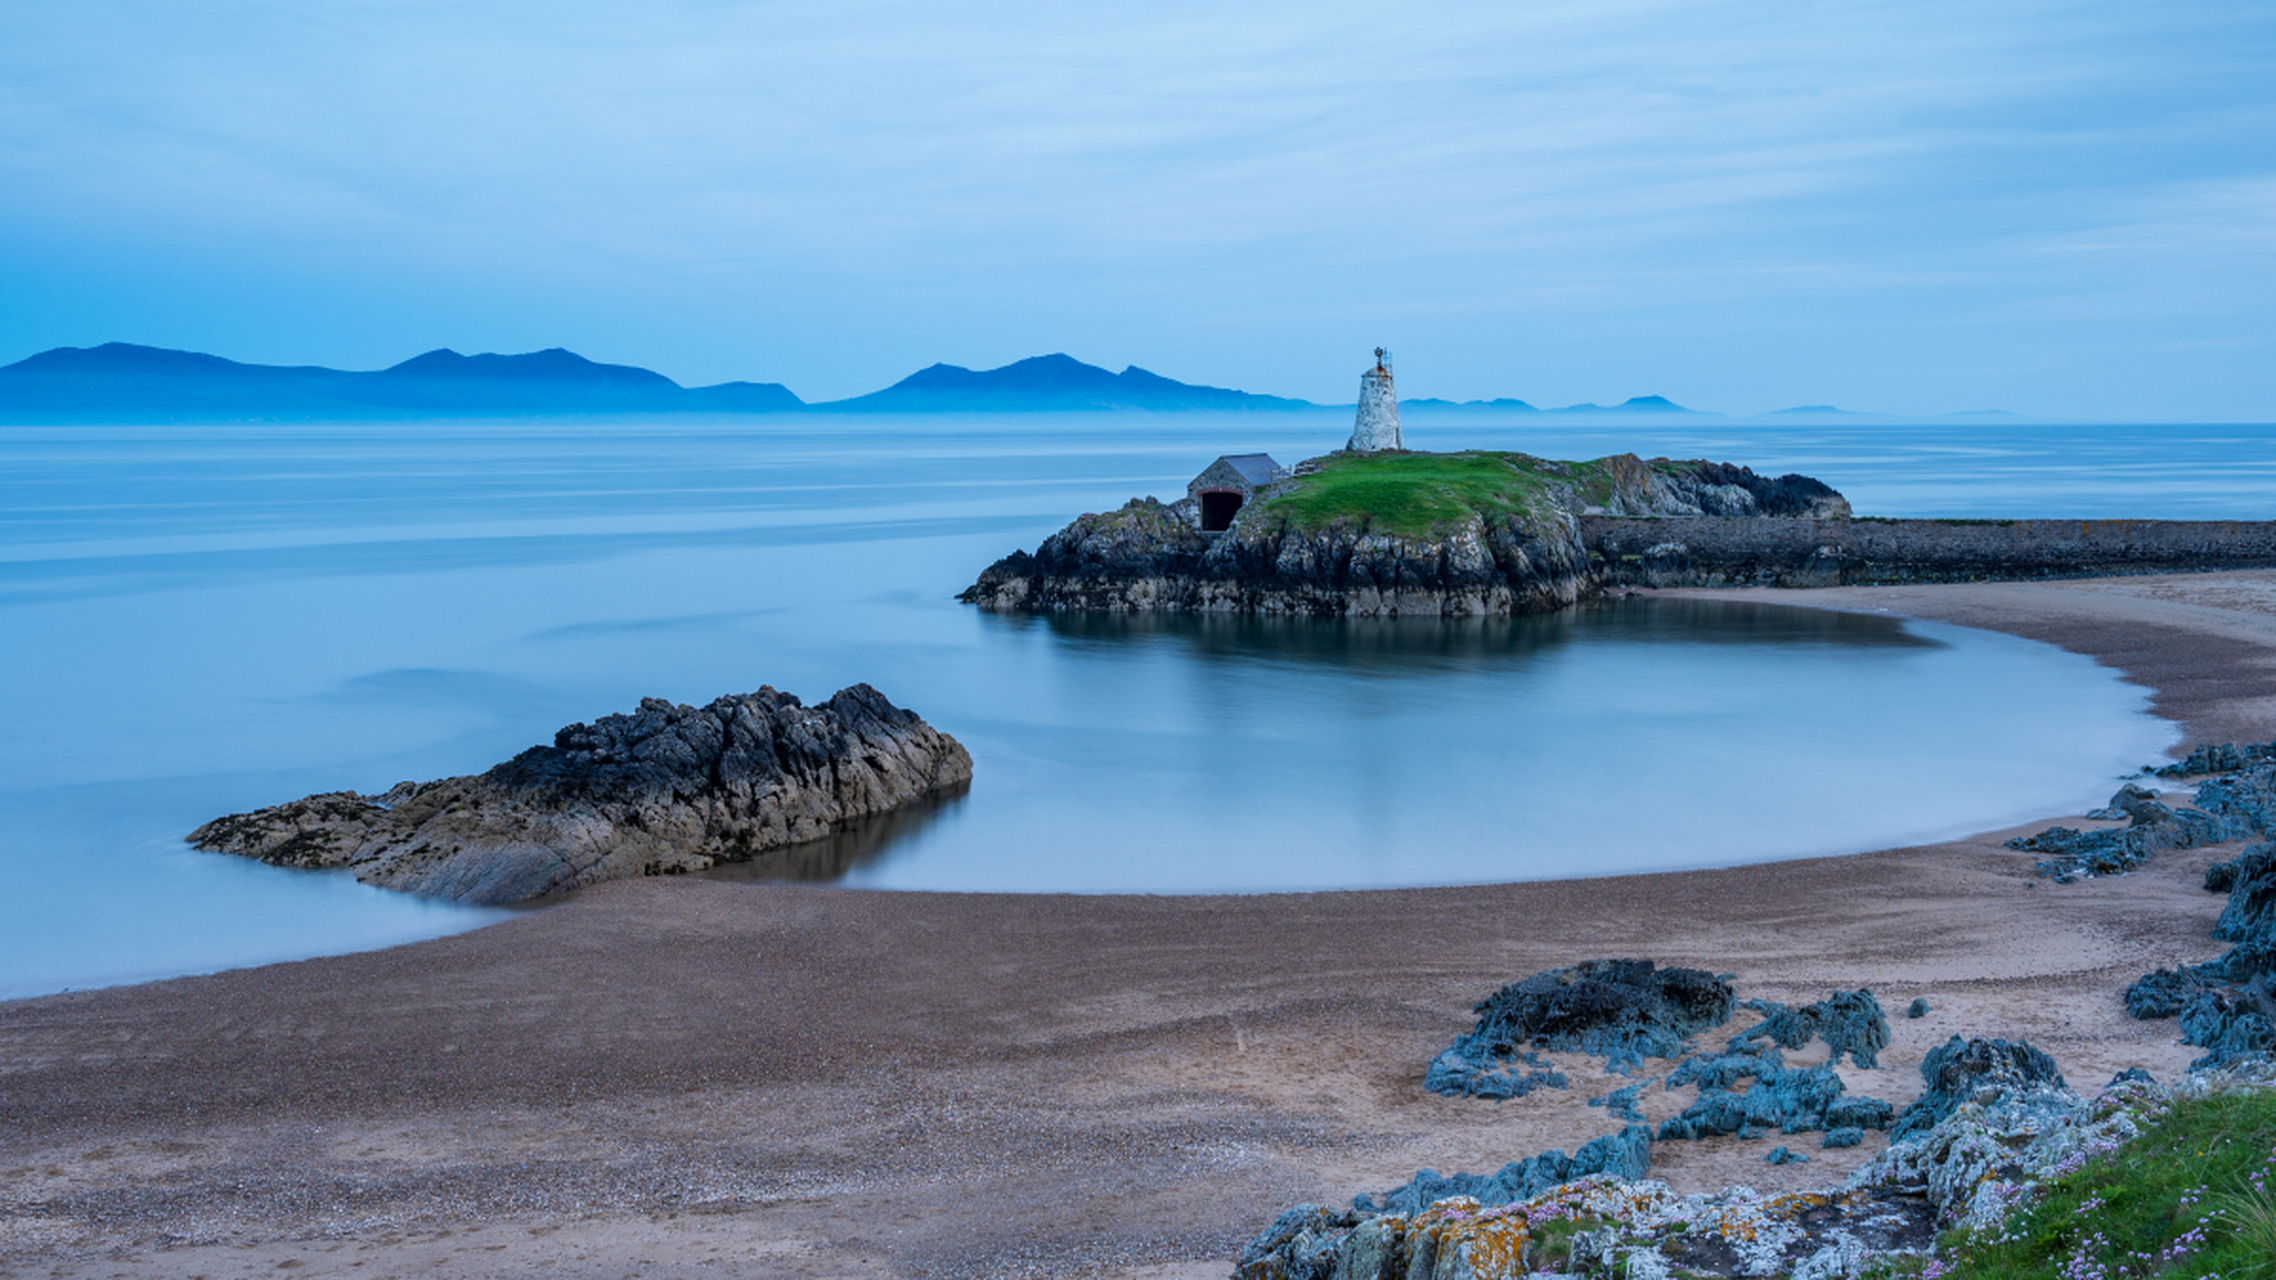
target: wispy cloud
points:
(1568, 201)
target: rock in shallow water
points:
(669, 788)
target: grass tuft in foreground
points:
(2193, 1197)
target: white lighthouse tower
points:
(1377, 429)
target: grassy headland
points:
(1415, 495)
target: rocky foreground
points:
(1994, 1126)
(1408, 534)
(670, 788)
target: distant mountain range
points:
(120, 381)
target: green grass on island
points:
(2194, 1196)
(1414, 495)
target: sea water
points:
(201, 619)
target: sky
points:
(2060, 208)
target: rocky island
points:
(1401, 533)
(1384, 534)
(670, 788)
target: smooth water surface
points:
(202, 619)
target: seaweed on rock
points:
(1620, 1010)
(1626, 1154)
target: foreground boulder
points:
(670, 788)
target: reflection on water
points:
(1430, 643)
(856, 844)
(198, 620)
(1184, 753)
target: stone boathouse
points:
(1228, 484)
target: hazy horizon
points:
(2062, 209)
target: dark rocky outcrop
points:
(1518, 550)
(1787, 1099)
(1620, 1010)
(1626, 1154)
(2226, 757)
(1850, 1022)
(669, 788)
(1152, 555)
(2225, 813)
(1959, 1071)
(1553, 534)
(2227, 1006)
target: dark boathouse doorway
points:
(1218, 507)
(1226, 485)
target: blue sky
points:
(2066, 209)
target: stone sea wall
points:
(1696, 552)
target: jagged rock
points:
(1788, 1099)
(2253, 863)
(2225, 758)
(2248, 795)
(1522, 553)
(1843, 1137)
(669, 788)
(1620, 1010)
(1496, 1079)
(1621, 1102)
(1604, 1226)
(1850, 1022)
(2136, 1074)
(2222, 815)
(1626, 1154)
(1978, 1070)
(1299, 1245)
(2226, 1006)
(1918, 1008)
(1782, 1155)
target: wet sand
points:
(691, 1077)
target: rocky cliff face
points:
(1522, 552)
(669, 788)
(1152, 555)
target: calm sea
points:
(196, 620)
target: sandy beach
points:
(695, 1077)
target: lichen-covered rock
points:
(669, 788)
(1603, 1225)
(1850, 1022)
(1626, 1154)
(1620, 1010)
(1986, 1156)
